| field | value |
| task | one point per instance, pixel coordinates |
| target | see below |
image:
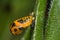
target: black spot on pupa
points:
(26, 20)
(13, 24)
(21, 21)
(15, 30)
(21, 28)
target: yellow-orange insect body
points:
(20, 24)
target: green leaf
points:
(53, 25)
(39, 22)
